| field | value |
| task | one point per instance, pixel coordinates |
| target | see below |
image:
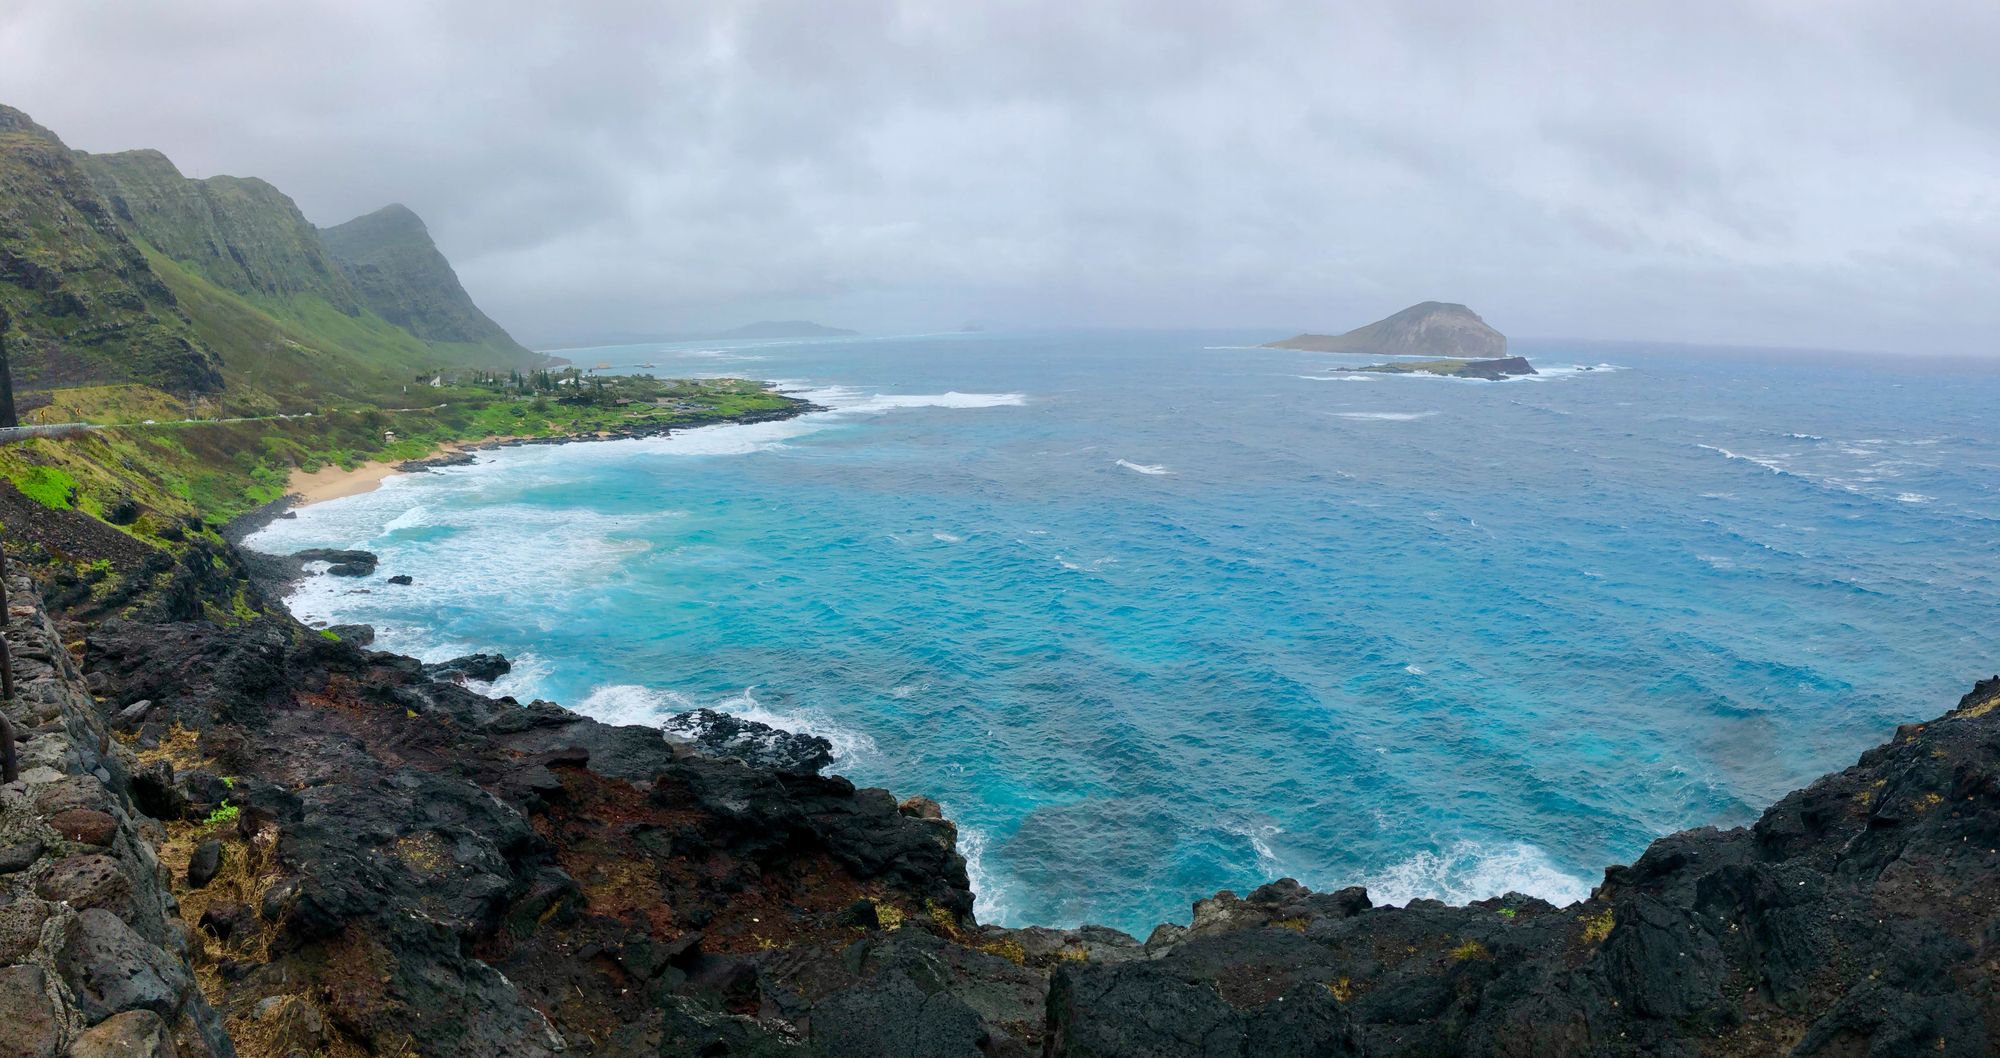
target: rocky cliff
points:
(402, 276)
(85, 304)
(1433, 329)
(366, 856)
(241, 234)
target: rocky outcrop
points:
(759, 745)
(1489, 370)
(1433, 328)
(1858, 916)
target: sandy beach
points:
(333, 482)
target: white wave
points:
(413, 518)
(1335, 378)
(1472, 870)
(1145, 468)
(989, 899)
(1912, 497)
(1385, 416)
(1413, 670)
(1771, 464)
(1259, 835)
(1553, 372)
(946, 538)
(632, 703)
(524, 680)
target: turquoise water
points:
(1153, 614)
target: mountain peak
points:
(1430, 328)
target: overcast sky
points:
(1809, 172)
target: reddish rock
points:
(88, 880)
(27, 1016)
(85, 825)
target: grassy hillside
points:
(86, 306)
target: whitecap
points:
(414, 518)
(1335, 378)
(1145, 468)
(1259, 835)
(1385, 416)
(1912, 497)
(1413, 670)
(1472, 870)
(946, 538)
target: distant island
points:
(1433, 329)
(783, 329)
(1492, 370)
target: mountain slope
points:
(1433, 328)
(117, 269)
(242, 234)
(86, 305)
(392, 262)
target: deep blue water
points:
(1153, 614)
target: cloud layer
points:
(1770, 171)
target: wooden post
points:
(7, 416)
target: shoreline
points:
(304, 489)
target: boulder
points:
(205, 862)
(30, 1023)
(484, 668)
(85, 825)
(133, 1034)
(111, 969)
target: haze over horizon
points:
(1762, 173)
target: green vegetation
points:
(214, 470)
(45, 485)
(330, 634)
(222, 816)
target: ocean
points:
(1153, 614)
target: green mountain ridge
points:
(117, 269)
(86, 305)
(240, 233)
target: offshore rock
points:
(759, 745)
(484, 668)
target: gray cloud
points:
(1774, 172)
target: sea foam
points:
(1466, 871)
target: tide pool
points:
(1155, 614)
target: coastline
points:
(306, 488)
